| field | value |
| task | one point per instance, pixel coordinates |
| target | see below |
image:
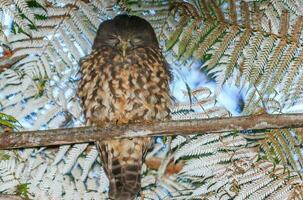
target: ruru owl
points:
(125, 79)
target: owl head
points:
(125, 33)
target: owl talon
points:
(8, 130)
(122, 122)
(148, 122)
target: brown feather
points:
(130, 89)
(121, 89)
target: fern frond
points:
(89, 13)
(287, 151)
(37, 43)
(297, 90)
(252, 187)
(285, 61)
(186, 37)
(22, 5)
(294, 144)
(262, 56)
(273, 60)
(268, 189)
(188, 149)
(232, 12)
(281, 193)
(205, 9)
(245, 14)
(6, 3)
(70, 45)
(284, 24)
(223, 46)
(63, 54)
(89, 161)
(236, 53)
(56, 11)
(19, 21)
(209, 40)
(200, 34)
(251, 53)
(218, 12)
(83, 26)
(51, 21)
(251, 175)
(276, 146)
(203, 171)
(47, 67)
(177, 141)
(72, 156)
(297, 28)
(210, 160)
(177, 32)
(77, 35)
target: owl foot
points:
(8, 130)
(148, 122)
(122, 121)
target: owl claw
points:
(148, 122)
(8, 130)
(122, 122)
(125, 121)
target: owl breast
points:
(117, 89)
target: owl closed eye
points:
(133, 43)
(136, 41)
(113, 41)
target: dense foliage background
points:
(228, 58)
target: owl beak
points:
(124, 47)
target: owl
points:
(125, 79)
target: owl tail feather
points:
(122, 160)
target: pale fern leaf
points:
(72, 156)
(89, 161)
(195, 144)
(22, 5)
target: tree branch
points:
(185, 127)
(10, 197)
(6, 63)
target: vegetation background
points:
(228, 57)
